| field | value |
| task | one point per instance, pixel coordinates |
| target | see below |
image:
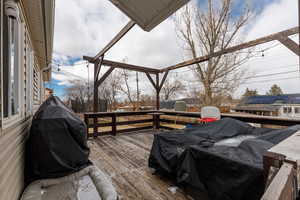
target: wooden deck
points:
(125, 159)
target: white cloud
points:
(84, 27)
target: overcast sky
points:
(84, 27)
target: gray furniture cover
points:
(89, 183)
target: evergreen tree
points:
(275, 90)
(249, 93)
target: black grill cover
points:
(223, 172)
(57, 143)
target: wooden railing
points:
(104, 123)
(111, 123)
(284, 184)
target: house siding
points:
(12, 149)
(13, 136)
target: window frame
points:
(290, 110)
(11, 10)
(29, 71)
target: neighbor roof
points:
(257, 108)
(280, 99)
(148, 14)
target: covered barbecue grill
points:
(223, 159)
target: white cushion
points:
(88, 184)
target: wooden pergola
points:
(98, 60)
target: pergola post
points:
(157, 92)
(157, 85)
(96, 97)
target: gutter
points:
(50, 19)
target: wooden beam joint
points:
(103, 78)
(120, 65)
(290, 44)
(151, 80)
(98, 65)
(163, 80)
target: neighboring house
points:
(287, 105)
(48, 93)
(26, 36)
(192, 104)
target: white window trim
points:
(11, 9)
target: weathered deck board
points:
(125, 159)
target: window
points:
(297, 110)
(287, 110)
(11, 62)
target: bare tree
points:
(132, 95)
(78, 91)
(126, 89)
(111, 88)
(171, 88)
(207, 31)
(249, 93)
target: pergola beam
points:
(114, 64)
(105, 75)
(163, 80)
(98, 67)
(151, 80)
(123, 32)
(290, 44)
(246, 45)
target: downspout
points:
(47, 68)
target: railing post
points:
(95, 128)
(114, 124)
(157, 121)
(86, 121)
